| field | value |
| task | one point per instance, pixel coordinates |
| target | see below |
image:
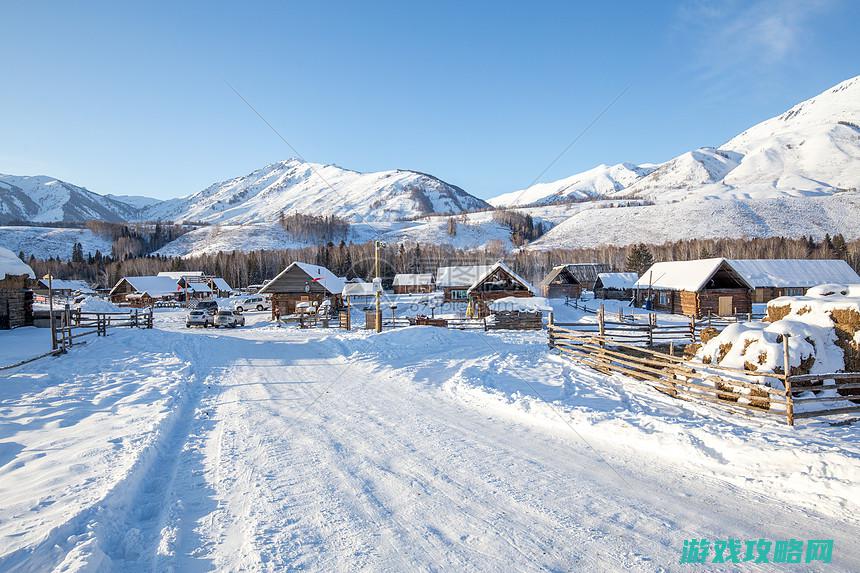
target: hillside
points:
(294, 186)
(45, 242)
(42, 199)
(594, 183)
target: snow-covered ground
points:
(275, 449)
(44, 242)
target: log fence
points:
(772, 394)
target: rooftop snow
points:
(794, 272)
(462, 276)
(404, 279)
(154, 286)
(221, 284)
(507, 269)
(68, 284)
(620, 281)
(11, 265)
(361, 289)
(680, 275)
(176, 275)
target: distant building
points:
(586, 273)
(560, 282)
(695, 288)
(615, 286)
(16, 295)
(144, 291)
(772, 278)
(499, 281)
(455, 281)
(220, 287)
(413, 283)
(303, 283)
(64, 287)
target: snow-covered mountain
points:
(596, 182)
(42, 199)
(294, 186)
(136, 201)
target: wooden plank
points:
(830, 376)
(828, 412)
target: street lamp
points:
(378, 288)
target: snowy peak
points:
(45, 199)
(295, 186)
(596, 182)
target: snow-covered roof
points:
(176, 275)
(682, 275)
(521, 304)
(619, 281)
(11, 265)
(221, 284)
(361, 289)
(318, 273)
(195, 287)
(461, 276)
(154, 286)
(404, 279)
(507, 269)
(68, 284)
(794, 272)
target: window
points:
(664, 297)
(458, 294)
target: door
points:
(725, 306)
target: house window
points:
(664, 298)
(458, 294)
(794, 291)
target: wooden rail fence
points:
(733, 389)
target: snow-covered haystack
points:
(822, 329)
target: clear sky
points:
(133, 98)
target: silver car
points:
(198, 318)
(229, 319)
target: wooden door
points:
(725, 308)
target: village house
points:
(413, 283)
(695, 288)
(16, 296)
(140, 292)
(498, 281)
(615, 286)
(560, 282)
(220, 287)
(63, 287)
(455, 281)
(303, 283)
(772, 278)
(586, 273)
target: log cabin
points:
(773, 278)
(455, 281)
(695, 288)
(413, 283)
(303, 283)
(499, 281)
(16, 295)
(146, 290)
(560, 282)
(615, 286)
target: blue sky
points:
(134, 98)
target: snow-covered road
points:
(291, 450)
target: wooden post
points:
(786, 366)
(692, 329)
(601, 327)
(652, 323)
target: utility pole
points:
(378, 288)
(51, 310)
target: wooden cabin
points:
(146, 290)
(220, 287)
(455, 281)
(16, 294)
(772, 278)
(695, 288)
(560, 282)
(63, 287)
(499, 281)
(413, 283)
(615, 286)
(586, 273)
(303, 283)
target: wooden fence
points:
(734, 389)
(69, 325)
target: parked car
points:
(198, 318)
(229, 319)
(256, 302)
(208, 306)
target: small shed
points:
(220, 287)
(615, 286)
(773, 278)
(405, 283)
(16, 295)
(560, 282)
(194, 287)
(499, 281)
(64, 287)
(360, 292)
(154, 287)
(303, 283)
(455, 281)
(695, 288)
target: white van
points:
(256, 302)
